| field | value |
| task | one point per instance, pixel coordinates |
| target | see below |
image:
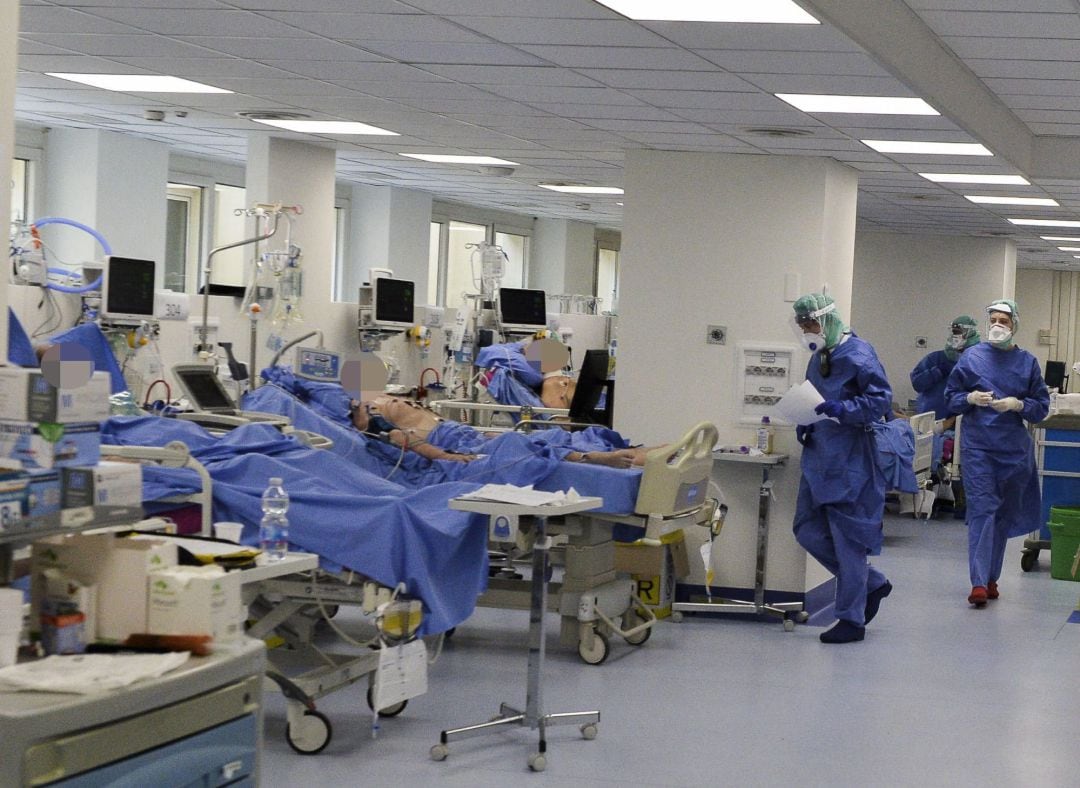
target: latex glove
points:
(830, 407)
(939, 427)
(1006, 404)
(980, 398)
(804, 433)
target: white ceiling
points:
(565, 87)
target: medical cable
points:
(326, 617)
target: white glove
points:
(1006, 404)
(980, 398)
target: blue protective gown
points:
(842, 490)
(928, 379)
(997, 456)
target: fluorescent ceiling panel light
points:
(570, 189)
(1069, 248)
(139, 83)
(961, 177)
(933, 148)
(327, 127)
(862, 105)
(763, 11)
(441, 158)
(1060, 238)
(984, 199)
(1045, 222)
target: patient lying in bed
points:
(410, 426)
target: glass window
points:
(515, 247)
(228, 267)
(459, 261)
(20, 170)
(435, 245)
(607, 279)
(183, 232)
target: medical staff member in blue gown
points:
(996, 386)
(929, 376)
(842, 490)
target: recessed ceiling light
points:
(863, 105)
(933, 148)
(1046, 222)
(569, 188)
(441, 158)
(139, 83)
(984, 199)
(961, 177)
(1060, 238)
(327, 127)
(765, 11)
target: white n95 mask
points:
(813, 342)
(999, 335)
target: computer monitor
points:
(394, 301)
(1055, 376)
(127, 289)
(202, 386)
(592, 383)
(522, 310)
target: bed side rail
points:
(676, 476)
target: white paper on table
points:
(526, 496)
(797, 406)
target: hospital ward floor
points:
(939, 693)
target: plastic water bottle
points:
(274, 528)
(765, 436)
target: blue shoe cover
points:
(843, 632)
(873, 601)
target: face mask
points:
(956, 341)
(813, 342)
(999, 335)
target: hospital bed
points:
(285, 606)
(668, 493)
(922, 500)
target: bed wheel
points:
(439, 752)
(1028, 560)
(538, 762)
(312, 735)
(389, 711)
(676, 617)
(640, 638)
(802, 616)
(599, 651)
(789, 625)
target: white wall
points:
(1035, 296)
(908, 285)
(9, 26)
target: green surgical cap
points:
(1008, 306)
(812, 306)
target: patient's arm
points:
(425, 449)
(619, 458)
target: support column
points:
(712, 239)
(563, 256)
(9, 47)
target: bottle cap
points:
(765, 420)
(275, 481)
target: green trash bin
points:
(1067, 515)
(1064, 544)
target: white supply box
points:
(79, 556)
(122, 585)
(25, 395)
(195, 600)
(106, 484)
(35, 446)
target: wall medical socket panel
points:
(763, 376)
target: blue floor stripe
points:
(1075, 617)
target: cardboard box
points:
(25, 395)
(43, 497)
(104, 484)
(655, 569)
(122, 585)
(34, 446)
(195, 600)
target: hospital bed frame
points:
(594, 603)
(289, 608)
(922, 424)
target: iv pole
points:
(260, 210)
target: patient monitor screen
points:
(205, 389)
(129, 287)
(394, 300)
(518, 307)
